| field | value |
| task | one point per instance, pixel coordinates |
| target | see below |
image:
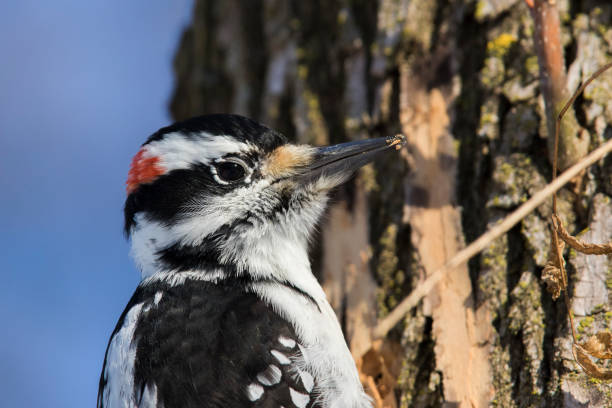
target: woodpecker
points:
(219, 212)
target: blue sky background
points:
(82, 84)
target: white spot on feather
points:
(286, 341)
(283, 359)
(300, 400)
(307, 380)
(271, 376)
(149, 397)
(254, 391)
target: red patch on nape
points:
(143, 170)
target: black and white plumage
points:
(228, 313)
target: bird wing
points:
(201, 344)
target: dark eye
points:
(230, 171)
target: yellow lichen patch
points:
(285, 160)
(500, 45)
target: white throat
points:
(270, 249)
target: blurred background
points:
(82, 84)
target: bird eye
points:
(229, 171)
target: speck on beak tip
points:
(398, 141)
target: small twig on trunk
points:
(573, 145)
(584, 247)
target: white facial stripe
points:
(207, 215)
(177, 151)
(203, 219)
(148, 237)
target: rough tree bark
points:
(460, 79)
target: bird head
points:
(225, 193)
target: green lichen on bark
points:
(584, 324)
(419, 384)
(502, 379)
(536, 231)
(486, 9)
(492, 279)
(391, 278)
(420, 26)
(489, 119)
(515, 178)
(493, 290)
(526, 319)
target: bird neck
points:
(263, 254)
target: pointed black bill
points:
(343, 159)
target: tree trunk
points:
(460, 79)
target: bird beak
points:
(341, 160)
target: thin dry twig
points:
(578, 245)
(582, 354)
(386, 324)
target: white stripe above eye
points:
(179, 151)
